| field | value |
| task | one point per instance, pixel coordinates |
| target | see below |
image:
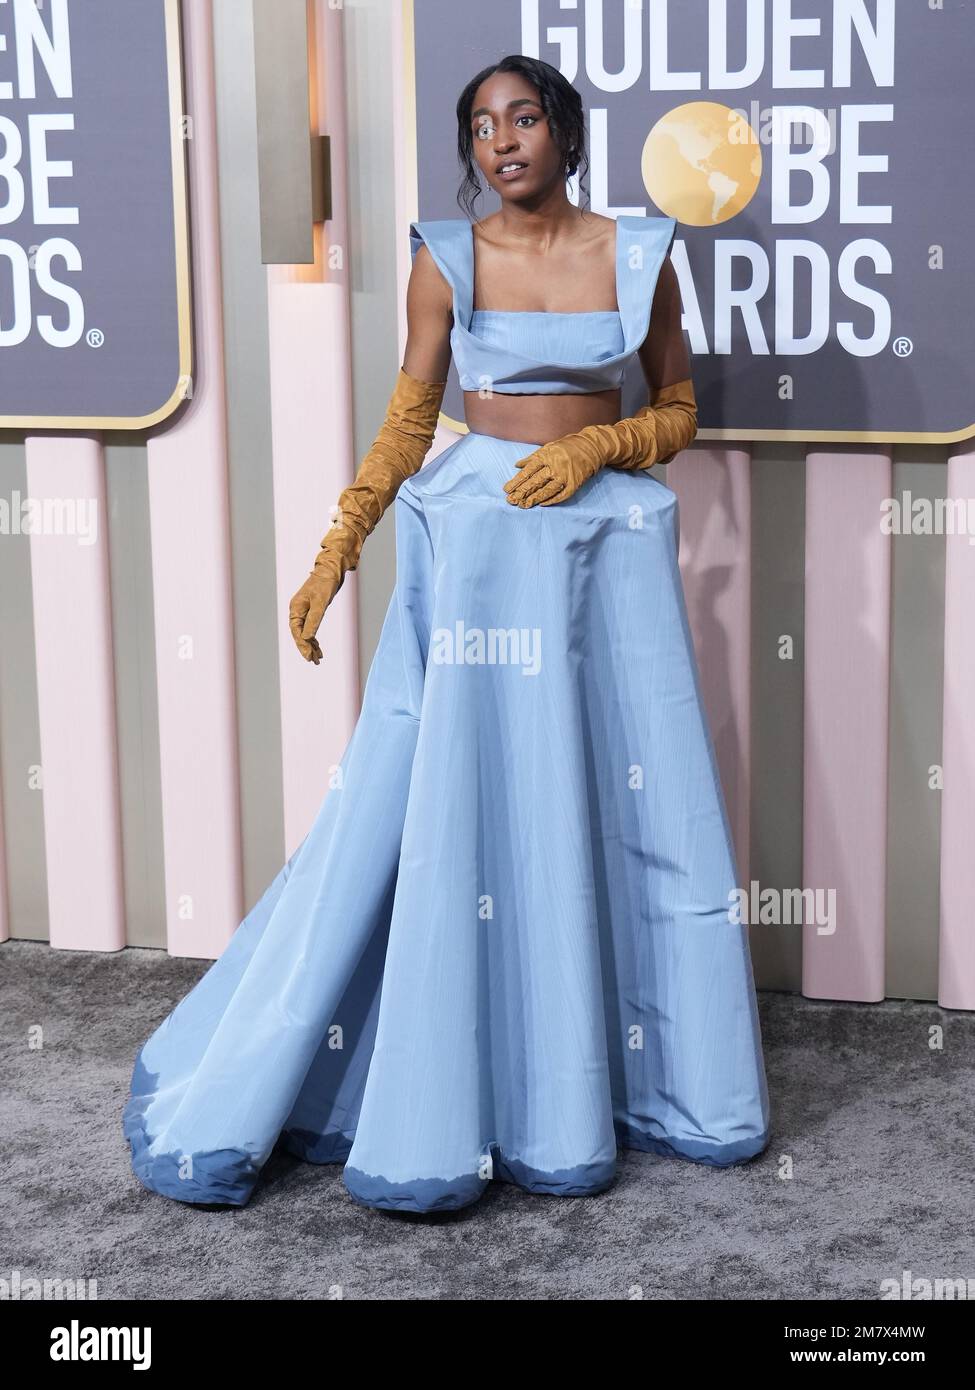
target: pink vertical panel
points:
(713, 488)
(190, 528)
(956, 959)
(312, 446)
(847, 661)
(4, 919)
(76, 698)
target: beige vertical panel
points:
(137, 719)
(373, 47)
(406, 180)
(281, 30)
(20, 748)
(259, 624)
(778, 525)
(916, 695)
(329, 114)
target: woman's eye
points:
(486, 131)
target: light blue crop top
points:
(540, 352)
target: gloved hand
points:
(339, 554)
(654, 434)
(396, 454)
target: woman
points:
(504, 947)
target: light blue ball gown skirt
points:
(504, 949)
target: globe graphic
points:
(702, 163)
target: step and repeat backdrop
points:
(162, 750)
(94, 265)
(814, 156)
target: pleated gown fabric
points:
(505, 948)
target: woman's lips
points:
(513, 173)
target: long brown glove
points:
(397, 453)
(654, 434)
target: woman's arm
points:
(667, 369)
(663, 354)
(429, 319)
(396, 454)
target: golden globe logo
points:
(702, 163)
(814, 249)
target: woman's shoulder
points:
(485, 227)
(597, 223)
(601, 234)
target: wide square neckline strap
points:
(450, 242)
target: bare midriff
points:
(539, 419)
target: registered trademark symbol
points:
(95, 337)
(903, 347)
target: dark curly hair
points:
(559, 100)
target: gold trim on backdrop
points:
(838, 436)
(729, 434)
(182, 248)
(458, 426)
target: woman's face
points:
(509, 127)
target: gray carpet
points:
(877, 1127)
